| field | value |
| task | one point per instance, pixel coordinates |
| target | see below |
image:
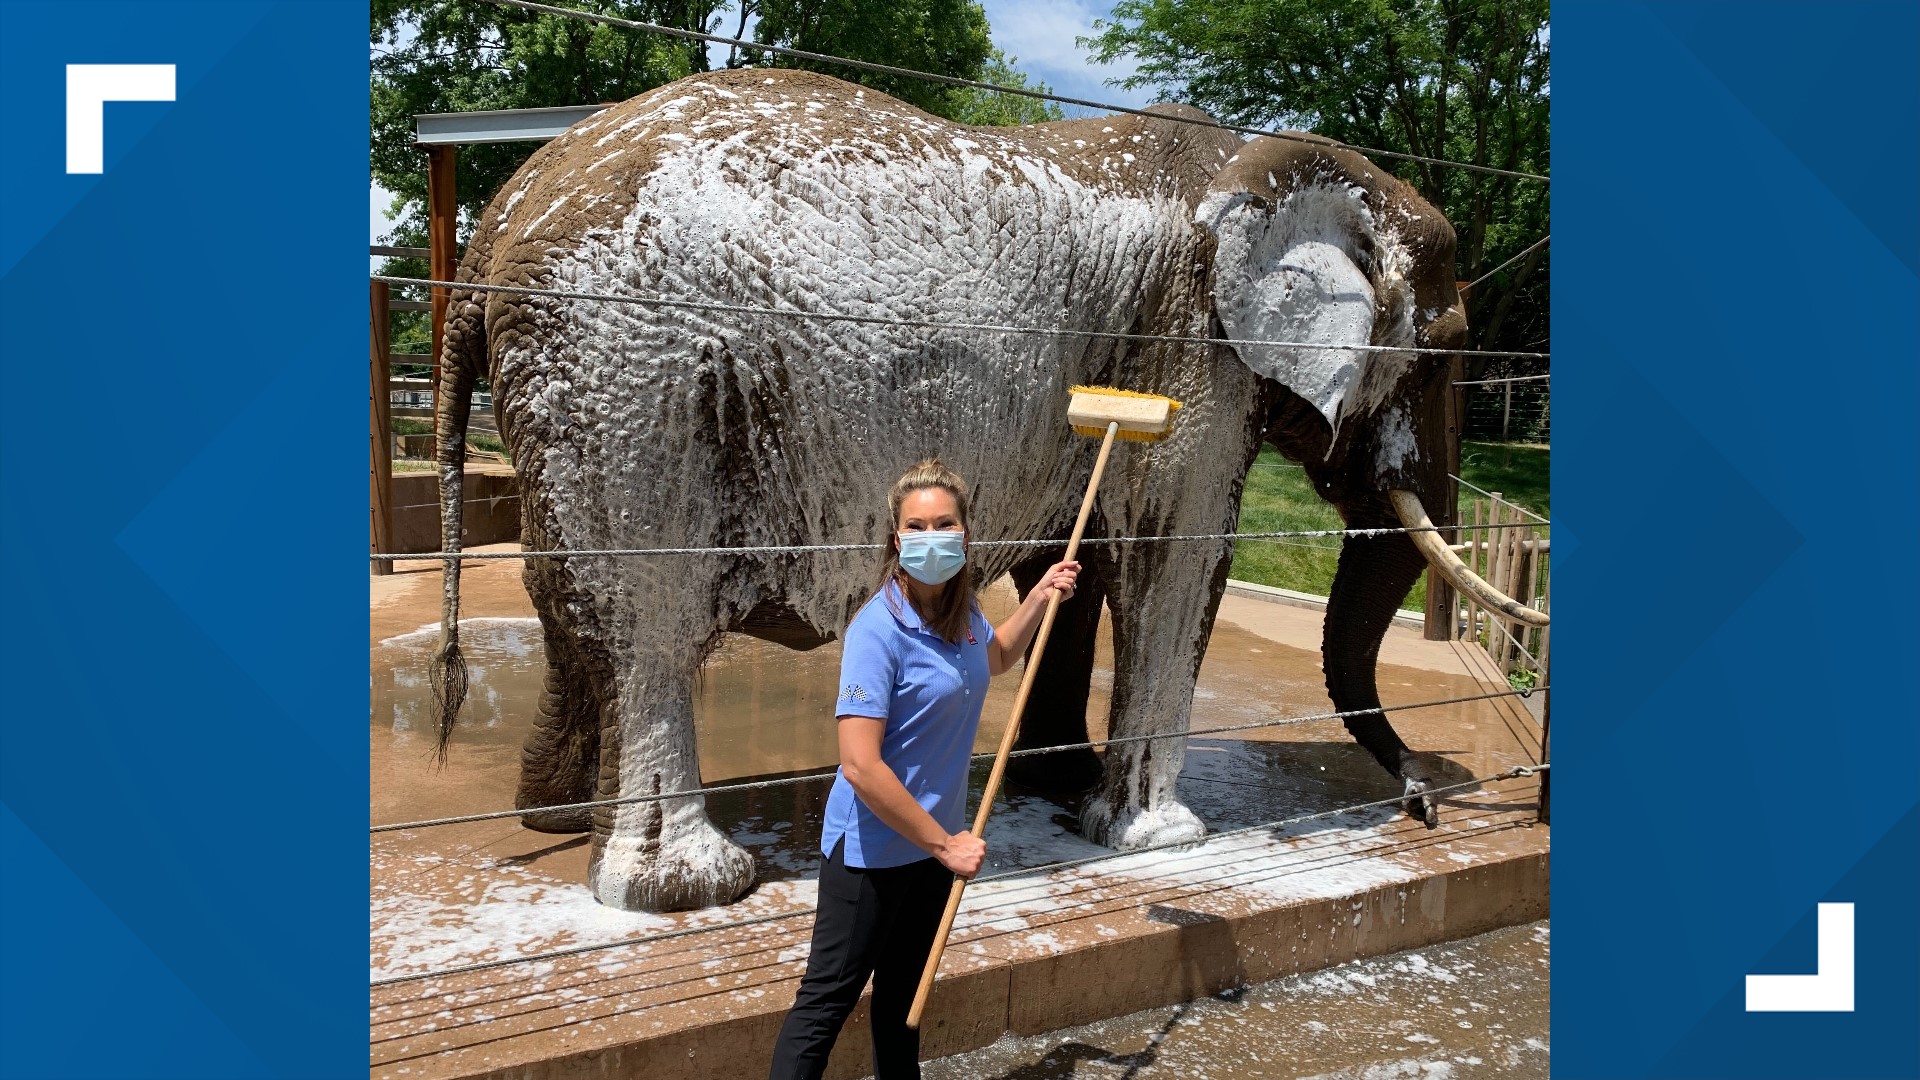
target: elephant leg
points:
(1375, 575)
(558, 762)
(657, 855)
(1159, 634)
(1056, 709)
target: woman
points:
(913, 675)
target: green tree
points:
(944, 37)
(1463, 80)
(469, 55)
(986, 108)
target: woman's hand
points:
(1010, 638)
(1060, 577)
(962, 853)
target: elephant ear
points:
(1307, 268)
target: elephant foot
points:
(700, 868)
(559, 821)
(1421, 773)
(1129, 827)
(1420, 805)
(1068, 772)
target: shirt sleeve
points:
(866, 672)
(985, 628)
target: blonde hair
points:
(954, 607)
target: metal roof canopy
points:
(498, 126)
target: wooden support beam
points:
(1440, 594)
(1546, 757)
(380, 431)
(443, 206)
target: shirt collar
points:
(901, 607)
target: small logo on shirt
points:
(855, 692)
(970, 638)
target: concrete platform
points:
(1030, 954)
(1474, 1008)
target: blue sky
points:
(1040, 33)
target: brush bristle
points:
(1172, 404)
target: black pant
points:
(869, 922)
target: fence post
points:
(1522, 563)
(380, 431)
(1506, 412)
(1496, 566)
(1476, 562)
(1546, 632)
(1439, 624)
(443, 205)
(1546, 756)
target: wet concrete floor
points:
(1466, 1010)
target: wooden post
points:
(1546, 756)
(1520, 587)
(1527, 569)
(380, 432)
(1517, 564)
(443, 205)
(1496, 564)
(1492, 571)
(1496, 575)
(1475, 560)
(1546, 632)
(1439, 624)
(1506, 412)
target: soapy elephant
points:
(694, 418)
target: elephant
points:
(697, 414)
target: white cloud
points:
(1043, 33)
(377, 221)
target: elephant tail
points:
(459, 365)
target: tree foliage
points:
(986, 108)
(1463, 80)
(469, 55)
(945, 37)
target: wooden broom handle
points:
(1007, 737)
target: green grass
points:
(1279, 498)
(1518, 471)
(487, 443)
(407, 425)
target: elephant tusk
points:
(1413, 515)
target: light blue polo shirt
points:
(929, 692)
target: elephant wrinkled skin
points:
(636, 425)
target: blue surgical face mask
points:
(932, 557)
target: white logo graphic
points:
(855, 692)
(89, 88)
(1828, 990)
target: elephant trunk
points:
(454, 399)
(1375, 575)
